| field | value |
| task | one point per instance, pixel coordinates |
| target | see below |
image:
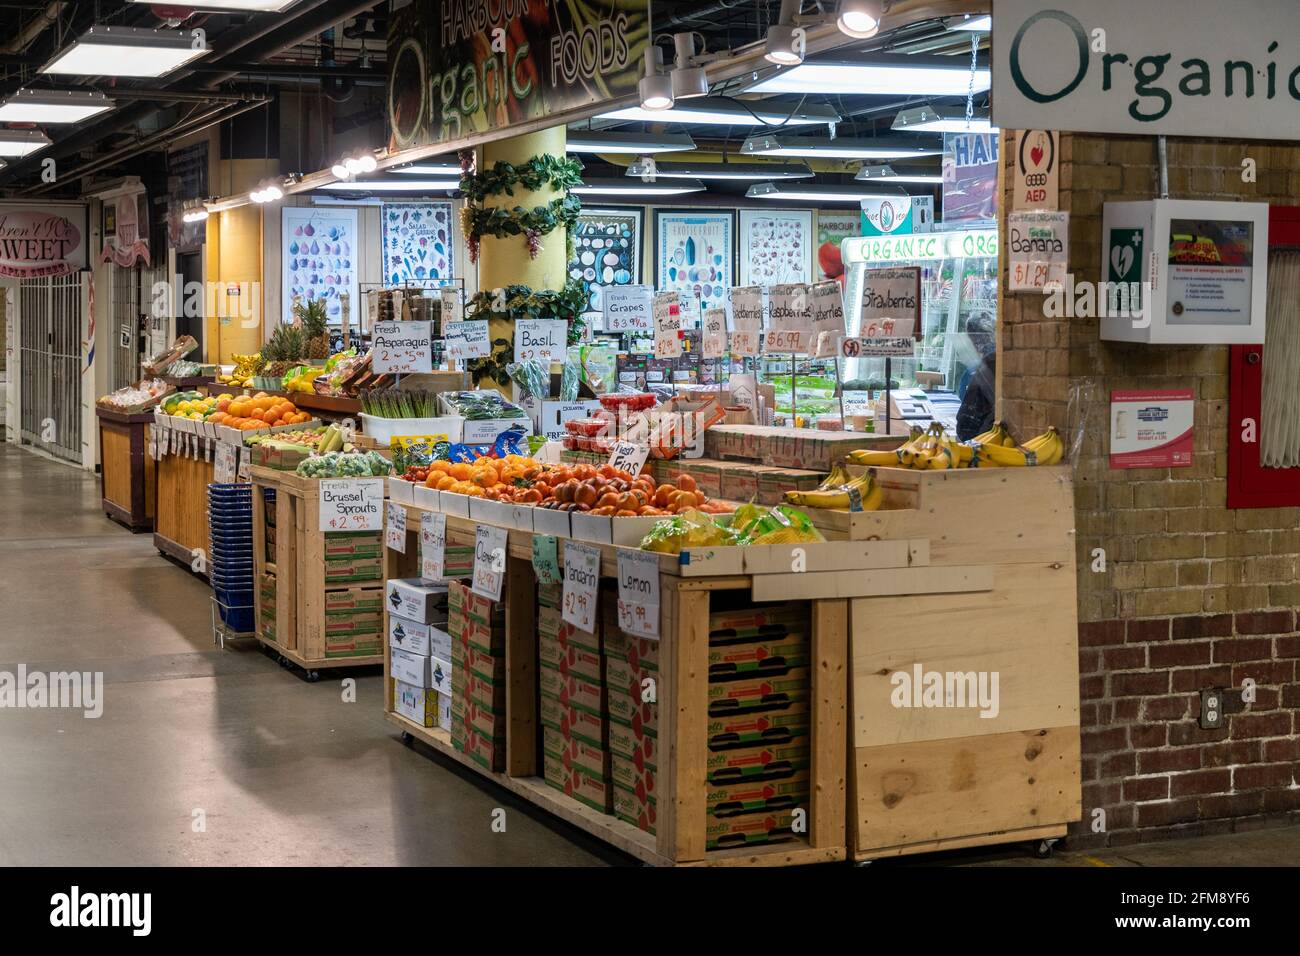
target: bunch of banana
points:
(246, 366)
(841, 496)
(891, 459)
(1045, 449)
(997, 435)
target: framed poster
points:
(775, 246)
(695, 254)
(318, 259)
(417, 244)
(606, 251)
(833, 227)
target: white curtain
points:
(1280, 411)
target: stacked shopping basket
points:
(230, 524)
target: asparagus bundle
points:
(399, 403)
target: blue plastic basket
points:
(235, 608)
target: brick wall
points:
(1194, 595)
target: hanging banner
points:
(459, 69)
(970, 176)
(128, 243)
(37, 241)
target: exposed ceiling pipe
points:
(34, 28)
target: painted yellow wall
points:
(234, 245)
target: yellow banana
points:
(863, 456)
(1001, 456)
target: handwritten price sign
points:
(352, 504)
(395, 528)
(226, 467)
(433, 546)
(788, 340)
(629, 456)
(489, 561)
(581, 578)
(638, 593)
(544, 340)
(715, 333)
(466, 340)
(627, 308)
(745, 342)
(403, 347)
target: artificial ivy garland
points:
(558, 172)
(521, 302)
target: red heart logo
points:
(1036, 154)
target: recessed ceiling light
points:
(53, 106)
(880, 147)
(252, 6)
(636, 144)
(622, 187)
(397, 185)
(722, 171)
(889, 74)
(929, 118)
(125, 51)
(886, 173)
(976, 24)
(804, 192)
(21, 142)
(715, 111)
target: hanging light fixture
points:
(688, 79)
(785, 41)
(930, 118)
(268, 190)
(126, 51)
(194, 210)
(53, 106)
(20, 142)
(859, 19)
(353, 165)
(656, 88)
(885, 172)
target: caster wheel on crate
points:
(284, 661)
(312, 676)
(862, 863)
(407, 738)
(1043, 849)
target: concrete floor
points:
(278, 770)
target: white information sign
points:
(395, 528)
(638, 592)
(433, 545)
(489, 561)
(352, 504)
(403, 347)
(581, 577)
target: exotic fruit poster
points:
(455, 69)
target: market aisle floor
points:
(278, 770)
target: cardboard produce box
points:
(409, 668)
(574, 783)
(748, 830)
(355, 599)
(755, 658)
(353, 544)
(425, 639)
(758, 763)
(488, 752)
(352, 646)
(760, 693)
(417, 704)
(338, 570)
(633, 743)
(487, 721)
(577, 754)
(631, 775)
(573, 691)
(584, 726)
(358, 623)
(631, 809)
(809, 448)
(755, 727)
(758, 796)
(760, 622)
(418, 600)
(773, 483)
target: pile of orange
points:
(249, 413)
(492, 478)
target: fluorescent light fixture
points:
(250, 6)
(689, 81)
(634, 144)
(723, 171)
(975, 24)
(929, 118)
(20, 142)
(53, 106)
(125, 51)
(784, 46)
(715, 111)
(804, 192)
(428, 169)
(822, 147)
(882, 74)
(656, 88)
(859, 19)
(396, 185)
(622, 187)
(888, 174)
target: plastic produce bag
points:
(779, 525)
(532, 377)
(690, 529)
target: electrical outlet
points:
(1211, 709)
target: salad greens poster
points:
(457, 69)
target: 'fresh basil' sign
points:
(1195, 68)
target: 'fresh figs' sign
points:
(41, 241)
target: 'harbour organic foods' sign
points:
(1194, 68)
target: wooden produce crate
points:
(932, 778)
(181, 494)
(126, 468)
(298, 632)
(683, 690)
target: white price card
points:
(403, 347)
(466, 340)
(352, 504)
(794, 341)
(828, 309)
(789, 307)
(747, 308)
(629, 456)
(638, 592)
(395, 528)
(581, 578)
(449, 300)
(489, 561)
(668, 323)
(226, 467)
(433, 545)
(857, 346)
(745, 342)
(714, 342)
(245, 464)
(544, 340)
(627, 308)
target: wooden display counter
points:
(126, 476)
(181, 495)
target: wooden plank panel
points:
(286, 571)
(690, 701)
(115, 463)
(950, 789)
(886, 581)
(522, 731)
(830, 652)
(666, 776)
(1025, 631)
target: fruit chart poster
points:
(775, 247)
(606, 251)
(695, 255)
(417, 244)
(318, 260)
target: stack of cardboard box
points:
(632, 668)
(420, 651)
(575, 728)
(758, 729)
(354, 622)
(266, 605)
(478, 676)
(353, 556)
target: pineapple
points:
(311, 318)
(288, 344)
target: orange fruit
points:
(444, 482)
(460, 471)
